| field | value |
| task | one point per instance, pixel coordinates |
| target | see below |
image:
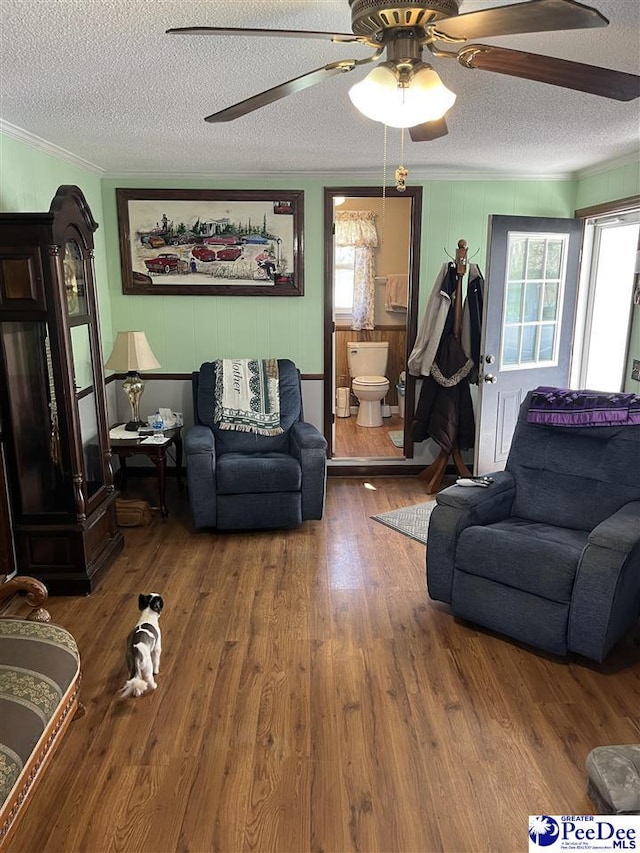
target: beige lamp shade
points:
(131, 352)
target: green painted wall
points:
(186, 330)
(609, 185)
(29, 179)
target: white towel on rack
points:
(396, 292)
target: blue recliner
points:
(244, 481)
(549, 554)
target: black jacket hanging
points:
(472, 320)
(445, 411)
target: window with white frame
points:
(534, 292)
(343, 278)
(615, 242)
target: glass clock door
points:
(75, 284)
(75, 288)
(36, 450)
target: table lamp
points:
(131, 353)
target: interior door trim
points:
(619, 206)
(415, 193)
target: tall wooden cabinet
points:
(57, 462)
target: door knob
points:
(489, 359)
(489, 377)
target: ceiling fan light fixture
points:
(382, 97)
(374, 91)
(433, 95)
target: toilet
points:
(367, 362)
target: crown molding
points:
(632, 159)
(338, 178)
(48, 147)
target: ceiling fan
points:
(403, 28)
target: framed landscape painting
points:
(211, 242)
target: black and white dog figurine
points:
(144, 645)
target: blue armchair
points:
(243, 481)
(549, 554)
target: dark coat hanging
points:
(445, 411)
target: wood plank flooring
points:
(312, 698)
(353, 441)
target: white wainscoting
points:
(176, 395)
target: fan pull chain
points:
(401, 172)
(384, 176)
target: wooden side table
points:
(134, 446)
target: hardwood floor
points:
(355, 441)
(312, 698)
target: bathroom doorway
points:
(373, 238)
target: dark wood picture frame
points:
(211, 242)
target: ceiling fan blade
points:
(429, 130)
(255, 102)
(536, 16)
(617, 85)
(345, 38)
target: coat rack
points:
(434, 473)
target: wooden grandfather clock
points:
(55, 441)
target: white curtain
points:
(357, 229)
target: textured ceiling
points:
(100, 79)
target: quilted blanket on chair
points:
(247, 397)
(569, 408)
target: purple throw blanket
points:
(566, 408)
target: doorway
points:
(548, 322)
(606, 306)
(528, 325)
(386, 229)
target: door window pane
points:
(550, 302)
(517, 259)
(534, 290)
(511, 350)
(529, 340)
(547, 340)
(532, 302)
(535, 258)
(514, 302)
(554, 259)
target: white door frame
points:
(587, 288)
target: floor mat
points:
(397, 437)
(412, 521)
